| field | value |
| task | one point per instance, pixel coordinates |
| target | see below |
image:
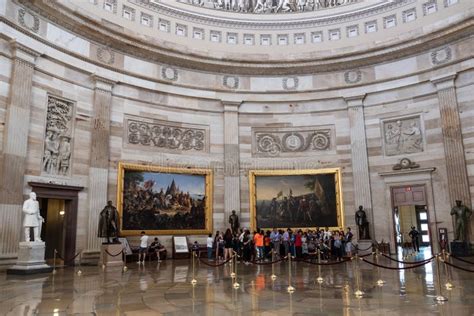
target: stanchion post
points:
(193, 281)
(54, 261)
(273, 276)
(439, 297)
(380, 281)
(236, 284)
(290, 289)
(233, 264)
(448, 285)
(358, 293)
(79, 272)
(319, 279)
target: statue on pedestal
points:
(362, 223)
(234, 222)
(462, 214)
(108, 223)
(32, 218)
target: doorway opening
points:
(410, 209)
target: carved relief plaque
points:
(288, 141)
(58, 137)
(403, 136)
(166, 135)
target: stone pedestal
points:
(460, 248)
(109, 257)
(364, 246)
(30, 259)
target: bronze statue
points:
(234, 222)
(109, 223)
(462, 214)
(362, 223)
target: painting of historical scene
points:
(403, 136)
(164, 202)
(298, 201)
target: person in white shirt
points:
(143, 248)
(210, 243)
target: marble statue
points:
(32, 218)
(109, 223)
(462, 214)
(234, 222)
(362, 223)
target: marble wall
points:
(371, 118)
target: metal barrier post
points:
(273, 276)
(290, 289)
(319, 279)
(380, 281)
(439, 297)
(358, 293)
(193, 281)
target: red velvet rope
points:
(457, 267)
(107, 252)
(392, 268)
(407, 262)
(463, 260)
(214, 265)
(57, 253)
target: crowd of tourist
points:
(269, 245)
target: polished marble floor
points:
(165, 289)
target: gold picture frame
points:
(338, 202)
(208, 183)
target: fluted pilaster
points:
(231, 159)
(360, 162)
(99, 157)
(15, 147)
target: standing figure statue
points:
(32, 218)
(362, 223)
(462, 214)
(108, 223)
(234, 222)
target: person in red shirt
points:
(298, 244)
(267, 242)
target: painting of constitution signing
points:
(164, 200)
(296, 198)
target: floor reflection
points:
(165, 289)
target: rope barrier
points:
(393, 268)
(457, 267)
(107, 252)
(215, 265)
(324, 263)
(370, 247)
(407, 262)
(59, 256)
(265, 263)
(460, 259)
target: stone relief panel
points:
(273, 142)
(170, 136)
(403, 136)
(58, 137)
(28, 20)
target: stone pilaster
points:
(360, 161)
(15, 144)
(99, 157)
(458, 183)
(231, 160)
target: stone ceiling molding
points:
(28, 20)
(290, 83)
(105, 55)
(169, 73)
(353, 76)
(231, 82)
(441, 56)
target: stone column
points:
(15, 143)
(99, 157)
(231, 161)
(458, 183)
(360, 161)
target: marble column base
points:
(30, 259)
(107, 252)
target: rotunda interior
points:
(335, 120)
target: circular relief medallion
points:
(353, 76)
(169, 73)
(293, 142)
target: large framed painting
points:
(296, 198)
(164, 200)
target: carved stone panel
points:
(170, 136)
(403, 136)
(57, 151)
(275, 142)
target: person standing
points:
(337, 246)
(228, 240)
(143, 248)
(415, 238)
(286, 241)
(298, 244)
(275, 238)
(258, 240)
(349, 245)
(209, 243)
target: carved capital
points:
(103, 83)
(26, 54)
(231, 106)
(355, 101)
(444, 81)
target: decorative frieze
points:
(403, 136)
(58, 136)
(105, 55)
(28, 20)
(231, 82)
(441, 56)
(166, 135)
(288, 141)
